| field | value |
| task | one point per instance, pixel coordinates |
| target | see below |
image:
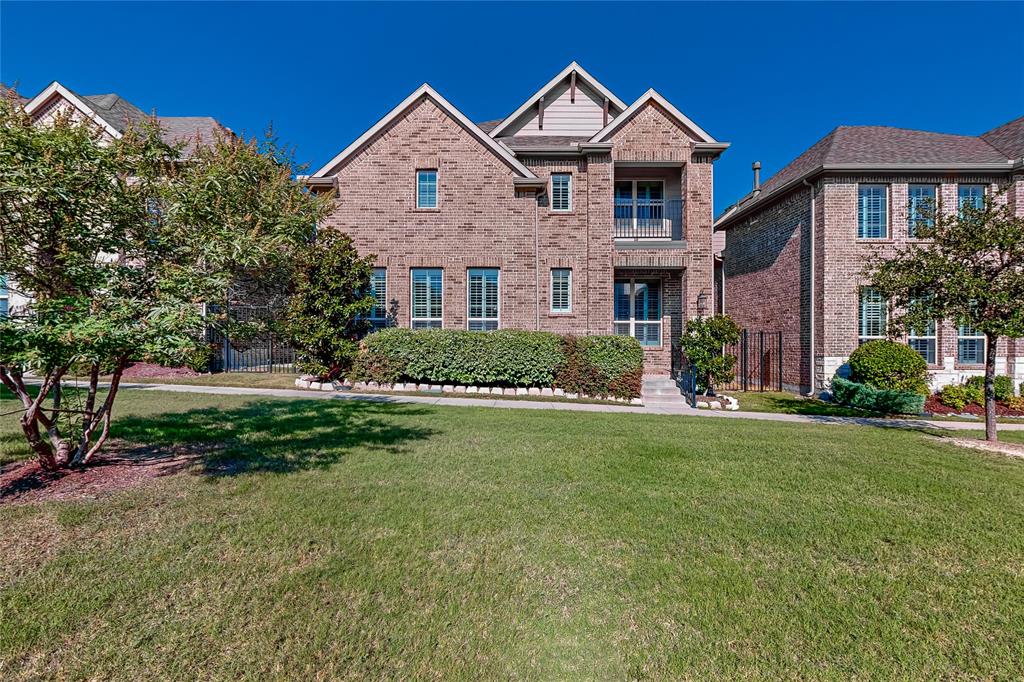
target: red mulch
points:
(110, 472)
(933, 406)
(148, 369)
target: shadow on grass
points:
(273, 435)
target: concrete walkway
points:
(566, 406)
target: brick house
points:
(576, 213)
(113, 115)
(796, 245)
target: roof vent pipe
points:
(757, 176)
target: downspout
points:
(536, 263)
(810, 365)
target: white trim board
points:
(426, 91)
(562, 75)
(75, 100)
(649, 96)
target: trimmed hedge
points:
(595, 365)
(864, 397)
(890, 366)
(1003, 386)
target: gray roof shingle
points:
(527, 142)
(1008, 138)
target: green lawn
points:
(241, 379)
(323, 539)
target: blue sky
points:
(769, 78)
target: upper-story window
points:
(971, 195)
(561, 192)
(921, 208)
(561, 290)
(872, 315)
(426, 188)
(4, 296)
(379, 291)
(427, 298)
(872, 211)
(482, 299)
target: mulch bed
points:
(110, 472)
(933, 406)
(148, 369)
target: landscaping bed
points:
(933, 405)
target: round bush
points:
(1003, 387)
(889, 366)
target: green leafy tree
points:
(703, 341)
(330, 305)
(117, 244)
(969, 269)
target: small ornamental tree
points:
(328, 311)
(703, 341)
(115, 244)
(969, 269)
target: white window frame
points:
(437, 184)
(5, 296)
(551, 189)
(379, 306)
(425, 322)
(632, 322)
(912, 221)
(885, 204)
(568, 293)
(965, 332)
(929, 339)
(634, 213)
(863, 338)
(496, 320)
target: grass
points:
(239, 379)
(790, 403)
(326, 539)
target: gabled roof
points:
(652, 96)
(86, 108)
(882, 148)
(581, 74)
(426, 91)
(1008, 138)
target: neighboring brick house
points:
(818, 219)
(574, 214)
(113, 115)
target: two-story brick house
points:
(796, 246)
(576, 213)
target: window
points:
(921, 209)
(561, 290)
(971, 195)
(426, 189)
(379, 291)
(923, 341)
(872, 316)
(426, 298)
(638, 310)
(561, 192)
(482, 299)
(872, 212)
(970, 345)
(4, 296)
(640, 209)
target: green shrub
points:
(1003, 386)
(864, 397)
(958, 396)
(702, 344)
(594, 365)
(891, 366)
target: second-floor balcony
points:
(640, 218)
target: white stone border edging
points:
(312, 384)
(722, 402)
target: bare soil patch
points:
(119, 468)
(1011, 449)
(148, 369)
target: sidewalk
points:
(567, 406)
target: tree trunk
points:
(990, 387)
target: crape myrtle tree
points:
(703, 341)
(117, 243)
(969, 269)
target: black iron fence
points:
(261, 352)
(758, 362)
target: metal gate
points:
(264, 352)
(758, 362)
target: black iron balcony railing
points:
(648, 219)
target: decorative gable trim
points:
(652, 96)
(76, 101)
(426, 91)
(574, 70)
